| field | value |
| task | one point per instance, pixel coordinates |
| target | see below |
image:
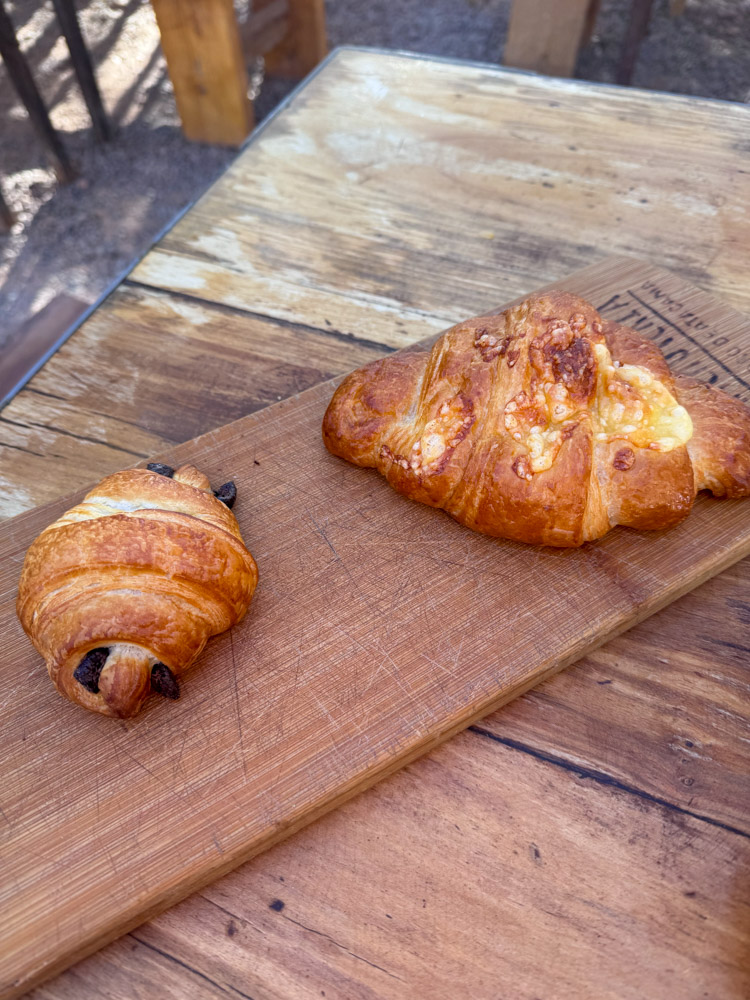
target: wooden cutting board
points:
(379, 628)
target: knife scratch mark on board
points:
(470, 603)
(238, 710)
(319, 530)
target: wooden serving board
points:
(379, 628)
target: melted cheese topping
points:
(630, 403)
(543, 447)
(444, 431)
(538, 423)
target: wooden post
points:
(84, 71)
(545, 35)
(304, 45)
(201, 42)
(640, 15)
(23, 81)
(589, 26)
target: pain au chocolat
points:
(122, 592)
(543, 424)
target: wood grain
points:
(509, 877)
(201, 43)
(545, 35)
(407, 850)
(301, 710)
(392, 197)
(396, 191)
(663, 709)
(80, 419)
(35, 338)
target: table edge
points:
(568, 84)
(563, 83)
(121, 275)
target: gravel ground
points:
(78, 238)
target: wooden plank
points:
(479, 871)
(394, 191)
(530, 240)
(229, 931)
(545, 35)
(149, 356)
(662, 709)
(304, 44)
(27, 346)
(320, 707)
(201, 43)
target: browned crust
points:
(720, 446)
(480, 365)
(630, 348)
(153, 582)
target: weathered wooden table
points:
(589, 840)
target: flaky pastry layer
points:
(544, 424)
(122, 592)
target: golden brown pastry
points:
(543, 424)
(120, 594)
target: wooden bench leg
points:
(201, 43)
(23, 81)
(304, 45)
(590, 23)
(545, 35)
(84, 71)
(640, 15)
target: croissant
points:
(121, 593)
(543, 424)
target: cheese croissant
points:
(543, 424)
(120, 594)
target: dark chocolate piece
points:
(227, 494)
(164, 682)
(163, 470)
(88, 670)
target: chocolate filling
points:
(88, 670)
(164, 682)
(163, 470)
(227, 494)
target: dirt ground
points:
(78, 238)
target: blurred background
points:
(79, 236)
